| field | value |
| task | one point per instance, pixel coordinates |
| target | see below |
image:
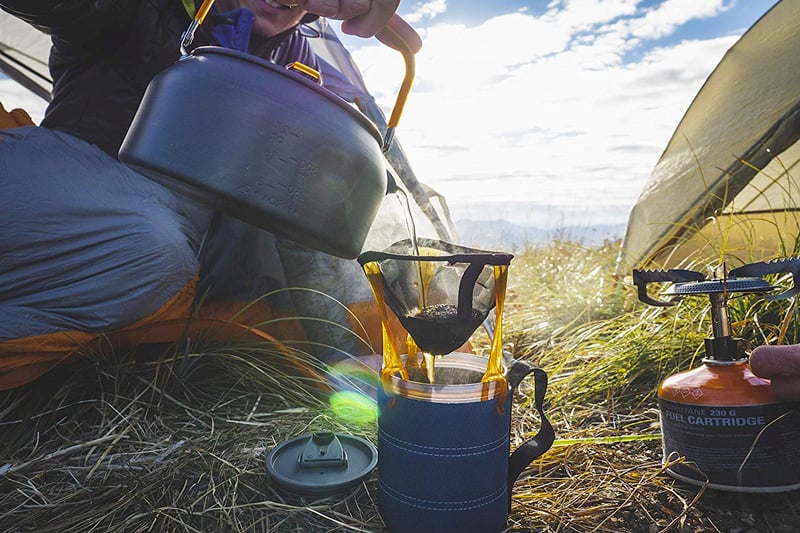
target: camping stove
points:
(726, 423)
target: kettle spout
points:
(391, 181)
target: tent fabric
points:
(23, 55)
(726, 187)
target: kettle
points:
(267, 143)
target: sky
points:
(550, 114)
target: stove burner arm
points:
(780, 266)
(642, 277)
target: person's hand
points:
(363, 18)
(781, 365)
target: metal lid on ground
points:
(321, 464)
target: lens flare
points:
(354, 407)
(355, 381)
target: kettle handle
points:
(199, 17)
(399, 35)
(543, 440)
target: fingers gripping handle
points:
(399, 34)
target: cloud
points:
(425, 10)
(581, 15)
(668, 16)
(549, 107)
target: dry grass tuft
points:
(174, 439)
(164, 442)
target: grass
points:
(175, 439)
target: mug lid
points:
(321, 464)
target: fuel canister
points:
(730, 428)
(721, 424)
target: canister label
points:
(736, 447)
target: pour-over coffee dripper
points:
(444, 460)
(440, 292)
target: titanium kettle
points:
(267, 143)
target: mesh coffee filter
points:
(441, 294)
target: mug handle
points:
(543, 440)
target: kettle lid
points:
(321, 464)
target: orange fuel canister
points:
(721, 424)
(732, 431)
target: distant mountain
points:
(504, 235)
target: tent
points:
(726, 187)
